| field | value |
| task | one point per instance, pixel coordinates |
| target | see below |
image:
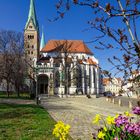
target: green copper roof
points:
(42, 43)
(32, 15)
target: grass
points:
(25, 122)
(14, 96)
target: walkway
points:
(16, 101)
(79, 112)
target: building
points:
(60, 66)
(113, 85)
(132, 87)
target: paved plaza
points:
(79, 112)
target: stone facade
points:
(31, 42)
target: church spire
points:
(32, 15)
(42, 43)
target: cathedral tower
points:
(31, 34)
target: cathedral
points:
(61, 67)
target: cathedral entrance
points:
(42, 84)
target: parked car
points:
(108, 94)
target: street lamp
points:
(36, 85)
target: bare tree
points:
(12, 60)
(125, 38)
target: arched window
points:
(69, 79)
(30, 36)
(74, 78)
(79, 77)
(30, 27)
(89, 83)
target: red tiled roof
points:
(106, 81)
(135, 72)
(119, 79)
(91, 62)
(71, 46)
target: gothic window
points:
(69, 79)
(32, 52)
(79, 77)
(57, 79)
(31, 27)
(90, 77)
(94, 77)
(28, 46)
(62, 77)
(74, 80)
(32, 46)
(28, 52)
(32, 36)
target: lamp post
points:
(98, 84)
(36, 86)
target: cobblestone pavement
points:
(79, 112)
(125, 100)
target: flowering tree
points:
(124, 38)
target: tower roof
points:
(32, 15)
(42, 43)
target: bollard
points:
(106, 99)
(130, 105)
(120, 102)
(113, 100)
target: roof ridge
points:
(65, 40)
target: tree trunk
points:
(66, 82)
(18, 92)
(7, 89)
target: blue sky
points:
(14, 13)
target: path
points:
(79, 112)
(16, 101)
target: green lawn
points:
(25, 122)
